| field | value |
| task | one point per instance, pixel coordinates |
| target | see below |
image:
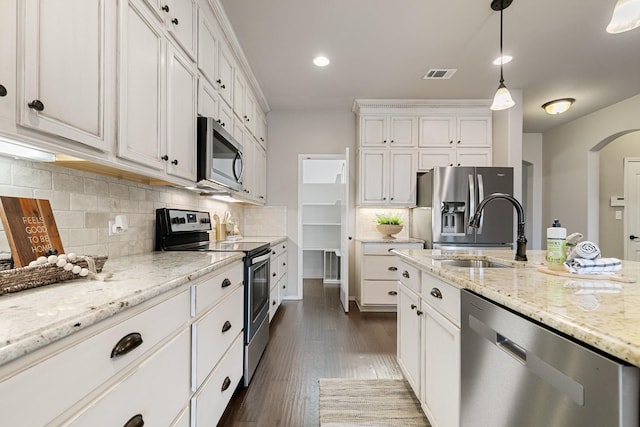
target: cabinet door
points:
(141, 94)
(225, 74)
(373, 131)
(428, 158)
(182, 25)
(181, 115)
(373, 172)
(473, 157)
(250, 112)
(260, 174)
(67, 82)
(239, 93)
(474, 132)
(441, 379)
(402, 131)
(226, 117)
(402, 178)
(207, 100)
(437, 131)
(409, 338)
(207, 48)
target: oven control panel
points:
(184, 220)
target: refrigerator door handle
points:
(480, 198)
(471, 202)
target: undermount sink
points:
(472, 263)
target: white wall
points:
(303, 132)
(568, 172)
(532, 153)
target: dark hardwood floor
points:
(312, 339)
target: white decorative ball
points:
(71, 257)
(84, 272)
(75, 269)
(33, 263)
(62, 256)
(68, 266)
(61, 262)
(42, 260)
(52, 259)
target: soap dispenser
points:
(556, 246)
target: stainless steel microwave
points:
(219, 156)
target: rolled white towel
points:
(593, 266)
(584, 250)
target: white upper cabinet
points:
(66, 69)
(387, 177)
(224, 81)
(455, 132)
(207, 48)
(208, 103)
(179, 18)
(387, 131)
(239, 95)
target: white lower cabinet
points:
(429, 344)
(153, 393)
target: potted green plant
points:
(389, 224)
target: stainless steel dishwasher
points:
(518, 373)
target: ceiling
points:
(383, 48)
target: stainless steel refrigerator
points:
(452, 194)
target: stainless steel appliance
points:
(453, 193)
(186, 230)
(516, 372)
(219, 156)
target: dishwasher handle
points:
(511, 348)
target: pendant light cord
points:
(501, 56)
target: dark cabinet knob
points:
(450, 164)
(391, 198)
(413, 306)
(405, 274)
(450, 142)
(284, 286)
(165, 8)
(284, 264)
(632, 237)
(274, 303)
(165, 157)
(126, 344)
(226, 326)
(226, 283)
(175, 21)
(174, 162)
(392, 293)
(135, 421)
(392, 141)
(458, 142)
(273, 274)
(3, 91)
(223, 86)
(226, 383)
(419, 313)
(36, 104)
(392, 268)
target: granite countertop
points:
(379, 239)
(602, 313)
(34, 318)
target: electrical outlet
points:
(618, 214)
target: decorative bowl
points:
(388, 230)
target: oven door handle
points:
(260, 259)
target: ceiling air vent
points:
(440, 73)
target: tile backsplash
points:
(83, 204)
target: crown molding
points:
(379, 104)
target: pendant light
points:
(502, 99)
(626, 16)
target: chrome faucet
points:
(521, 248)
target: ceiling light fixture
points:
(558, 106)
(504, 59)
(626, 16)
(502, 99)
(321, 61)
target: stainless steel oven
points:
(185, 230)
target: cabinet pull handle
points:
(135, 421)
(226, 383)
(3, 91)
(413, 306)
(405, 274)
(175, 21)
(165, 8)
(126, 344)
(419, 313)
(226, 326)
(165, 158)
(174, 162)
(392, 268)
(226, 283)
(36, 104)
(392, 293)
(435, 292)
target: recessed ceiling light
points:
(504, 59)
(321, 61)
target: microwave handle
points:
(235, 175)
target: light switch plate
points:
(618, 214)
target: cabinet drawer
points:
(210, 402)
(86, 365)
(211, 290)
(442, 296)
(409, 276)
(157, 390)
(380, 292)
(384, 248)
(213, 335)
(278, 249)
(380, 267)
(274, 300)
(282, 263)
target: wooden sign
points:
(30, 228)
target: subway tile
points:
(96, 219)
(69, 219)
(66, 182)
(83, 236)
(59, 200)
(83, 202)
(28, 177)
(118, 191)
(96, 186)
